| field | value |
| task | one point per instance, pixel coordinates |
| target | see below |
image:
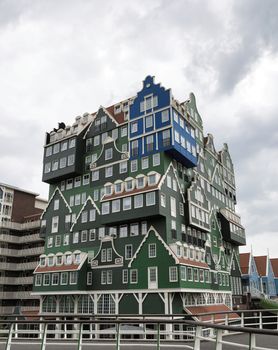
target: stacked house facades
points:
(20, 247)
(141, 213)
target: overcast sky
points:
(61, 58)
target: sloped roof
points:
(189, 262)
(274, 264)
(244, 259)
(119, 117)
(261, 263)
(197, 311)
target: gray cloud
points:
(62, 58)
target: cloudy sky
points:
(61, 58)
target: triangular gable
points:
(152, 229)
(162, 180)
(234, 258)
(57, 190)
(88, 200)
(225, 157)
(106, 112)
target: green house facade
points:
(141, 212)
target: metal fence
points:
(79, 330)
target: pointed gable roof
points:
(244, 259)
(88, 200)
(261, 263)
(274, 264)
(57, 190)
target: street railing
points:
(79, 329)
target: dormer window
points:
(50, 261)
(59, 259)
(108, 190)
(118, 187)
(42, 261)
(129, 185)
(152, 179)
(117, 109)
(68, 259)
(77, 258)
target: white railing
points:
(82, 330)
(21, 252)
(20, 239)
(16, 280)
(20, 227)
(17, 295)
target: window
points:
(189, 274)
(165, 116)
(123, 131)
(173, 274)
(71, 143)
(128, 251)
(144, 228)
(66, 239)
(46, 279)
(95, 175)
(138, 201)
(55, 279)
(57, 241)
(150, 199)
(174, 185)
(127, 203)
(156, 159)
(71, 201)
(83, 197)
(105, 209)
(64, 146)
(115, 134)
(149, 143)
(77, 181)
(70, 159)
(84, 235)
(92, 234)
(73, 277)
(62, 185)
(152, 250)
(169, 181)
(64, 278)
(166, 137)
(101, 232)
(124, 147)
(129, 185)
(183, 273)
(123, 167)
(48, 151)
(69, 184)
(108, 153)
(86, 179)
(116, 205)
(77, 199)
(134, 229)
(103, 277)
(125, 276)
(134, 127)
(68, 259)
(134, 148)
(47, 168)
(123, 231)
(196, 275)
(56, 204)
(181, 209)
(89, 278)
(84, 216)
(133, 165)
(140, 182)
(149, 122)
(109, 171)
(63, 162)
(75, 237)
(56, 148)
(152, 179)
(38, 280)
(55, 165)
(109, 277)
(103, 255)
(55, 224)
(163, 200)
(133, 276)
(145, 163)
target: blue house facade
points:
(250, 276)
(157, 126)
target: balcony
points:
(16, 280)
(18, 267)
(21, 252)
(16, 295)
(231, 227)
(20, 239)
(20, 227)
